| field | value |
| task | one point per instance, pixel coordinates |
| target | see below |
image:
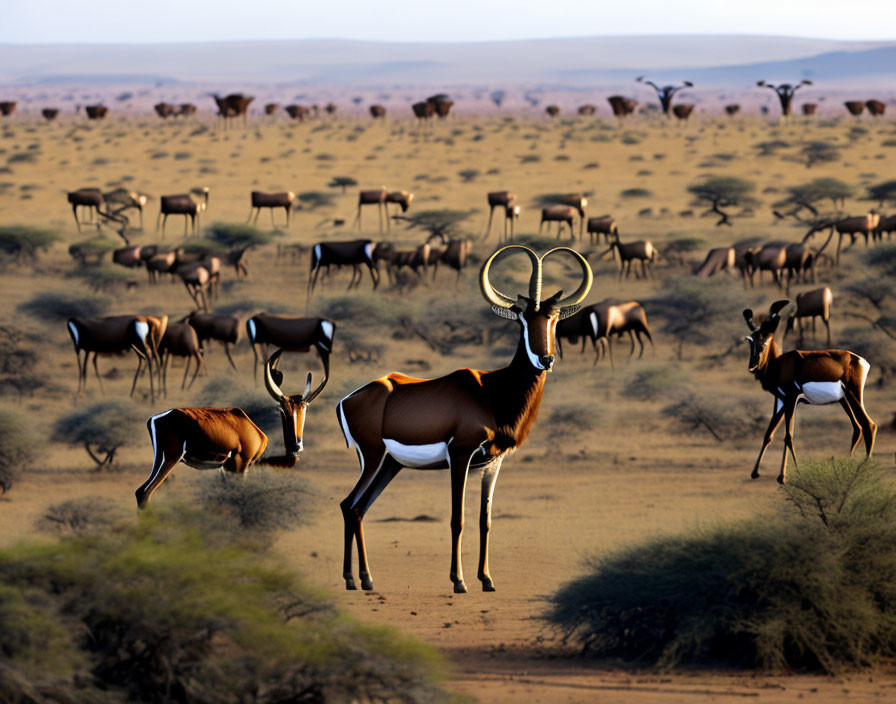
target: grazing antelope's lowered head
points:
(538, 317)
(292, 408)
(761, 340)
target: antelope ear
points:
(748, 316)
(508, 313)
(567, 311)
(781, 308)
(277, 376)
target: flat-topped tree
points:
(342, 182)
(721, 193)
(809, 196)
(665, 93)
(785, 93)
(883, 193)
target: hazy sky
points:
(114, 21)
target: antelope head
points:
(761, 339)
(537, 316)
(292, 408)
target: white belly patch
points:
(822, 392)
(142, 330)
(417, 455)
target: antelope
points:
(885, 225)
(822, 377)
(855, 107)
(499, 199)
(49, 114)
(160, 263)
(90, 198)
(225, 438)
(190, 205)
(377, 112)
(582, 324)
(860, 225)
(292, 334)
(552, 110)
(330, 108)
(579, 203)
(772, 257)
(115, 335)
(666, 93)
(682, 112)
(622, 106)
(454, 256)
(296, 112)
(604, 225)
(402, 198)
(559, 214)
(164, 110)
(208, 326)
(732, 109)
(809, 109)
(373, 197)
(812, 304)
(586, 110)
(237, 259)
(196, 279)
(353, 253)
(123, 199)
(467, 419)
(271, 109)
(625, 254)
(423, 110)
(718, 259)
(785, 93)
(634, 322)
(799, 261)
(185, 110)
(96, 112)
(180, 340)
(284, 199)
(232, 106)
(875, 108)
(7, 107)
(441, 105)
(128, 257)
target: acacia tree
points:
(883, 193)
(809, 196)
(721, 193)
(818, 152)
(102, 429)
(342, 182)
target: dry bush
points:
(19, 447)
(102, 429)
(720, 415)
(81, 516)
(18, 363)
(58, 308)
(659, 382)
(236, 235)
(22, 243)
(811, 588)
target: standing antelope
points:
(604, 225)
(622, 106)
(718, 259)
(209, 326)
(373, 197)
(377, 111)
(196, 279)
(559, 214)
(261, 200)
(90, 198)
(225, 438)
(625, 254)
(180, 340)
(785, 93)
(822, 377)
(353, 253)
(402, 198)
(190, 205)
(469, 418)
(291, 334)
(499, 199)
(666, 93)
(812, 304)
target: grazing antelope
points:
(624, 254)
(732, 109)
(90, 198)
(855, 107)
(666, 93)
(50, 114)
(559, 214)
(423, 110)
(586, 110)
(96, 112)
(718, 259)
(190, 205)
(772, 257)
(634, 322)
(284, 199)
(822, 377)
(232, 106)
(351, 253)
(552, 110)
(164, 110)
(785, 93)
(875, 108)
(122, 199)
(196, 279)
(237, 259)
(209, 326)
(799, 261)
(402, 198)
(860, 225)
(291, 334)
(159, 263)
(604, 225)
(682, 112)
(296, 112)
(454, 256)
(116, 335)
(373, 197)
(377, 112)
(499, 199)
(7, 107)
(467, 419)
(225, 438)
(622, 106)
(812, 304)
(180, 340)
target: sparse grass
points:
(58, 308)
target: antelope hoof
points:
(487, 584)
(350, 583)
(460, 587)
(780, 479)
(755, 474)
(366, 582)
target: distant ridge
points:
(580, 61)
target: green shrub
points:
(22, 243)
(19, 448)
(58, 308)
(80, 516)
(813, 587)
(236, 235)
(102, 429)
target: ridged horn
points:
(502, 300)
(269, 382)
(573, 301)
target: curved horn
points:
(578, 296)
(269, 382)
(748, 316)
(325, 360)
(502, 300)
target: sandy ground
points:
(627, 472)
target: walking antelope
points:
(666, 93)
(96, 112)
(500, 199)
(559, 214)
(190, 205)
(377, 111)
(209, 326)
(291, 334)
(373, 197)
(180, 340)
(812, 304)
(90, 198)
(625, 254)
(622, 106)
(225, 438)
(822, 377)
(604, 225)
(469, 418)
(353, 253)
(402, 198)
(876, 108)
(50, 114)
(116, 335)
(718, 259)
(196, 279)
(785, 93)
(261, 200)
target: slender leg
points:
(869, 427)
(167, 453)
(488, 228)
(856, 428)
(458, 464)
(77, 222)
(164, 220)
(789, 414)
(489, 477)
(229, 358)
(371, 462)
(777, 416)
(97, 372)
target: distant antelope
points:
(284, 199)
(196, 279)
(772, 257)
(604, 225)
(812, 304)
(855, 107)
(164, 110)
(718, 259)
(96, 112)
(785, 93)
(190, 205)
(330, 108)
(180, 340)
(186, 109)
(423, 110)
(373, 197)
(622, 106)
(732, 109)
(856, 226)
(666, 93)
(232, 106)
(160, 263)
(552, 110)
(90, 198)
(799, 262)
(50, 114)
(296, 112)
(827, 376)
(271, 109)
(626, 253)
(7, 107)
(377, 112)
(353, 253)
(809, 109)
(587, 110)
(634, 322)
(128, 257)
(441, 105)
(467, 419)
(875, 108)
(122, 199)
(292, 334)
(885, 225)
(498, 199)
(593, 322)
(454, 256)
(222, 328)
(682, 112)
(401, 198)
(225, 438)
(559, 214)
(237, 259)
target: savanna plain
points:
(651, 447)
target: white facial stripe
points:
(532, 357)
(822, 392)
(417, 455)
(74, 330)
